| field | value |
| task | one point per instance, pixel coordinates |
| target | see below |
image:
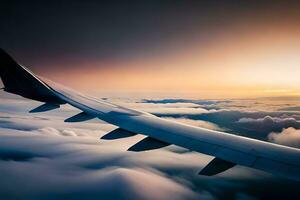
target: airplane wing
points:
(228, 150)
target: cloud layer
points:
(289, 136)
(42, 157)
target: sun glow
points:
(240, 61)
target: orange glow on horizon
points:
(263, 61)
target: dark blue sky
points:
(39, 31)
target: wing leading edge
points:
(227, 149)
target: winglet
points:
(19, 80)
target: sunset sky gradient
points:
(227, 49)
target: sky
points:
(195, 49)
(228, 65)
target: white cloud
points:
(268, 119)
(68, 160)
(289, 136)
